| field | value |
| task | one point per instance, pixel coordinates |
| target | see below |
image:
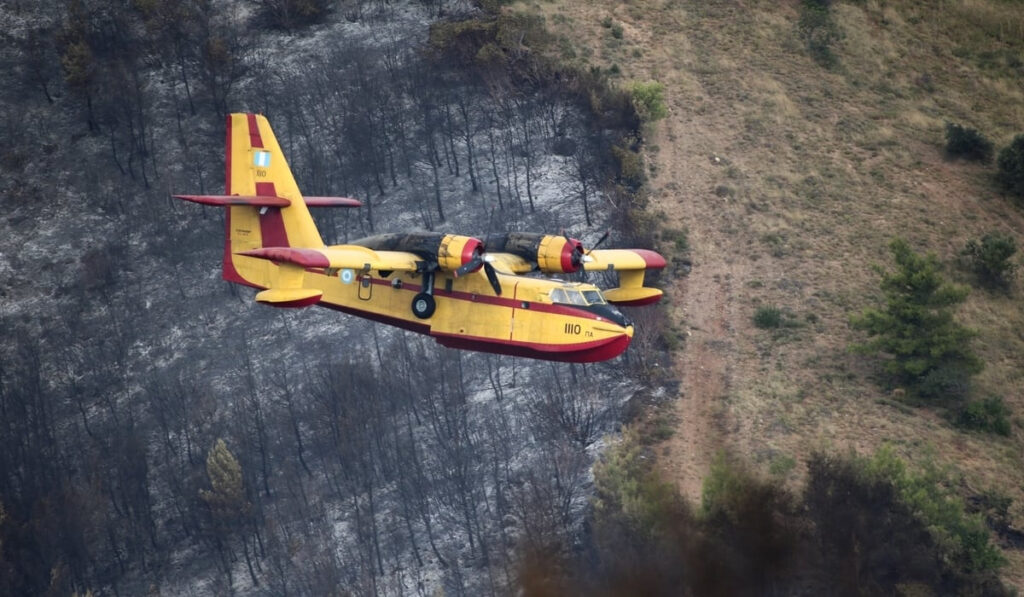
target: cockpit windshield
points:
(577, 297)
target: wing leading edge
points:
(267, 200)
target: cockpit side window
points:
(575, 298)
(571, 296)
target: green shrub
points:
(994, 505)
(631, 166)
(819, 31)
(679, 237)
(781, 465)
(1011, 167)
(627, 486)
(949, 385)
(768, 317)
(962, 537)
(967, 143)
(920, 343)
(649, 100)
(989, 414)
(860, 526)
(989, 259)
(881, 526)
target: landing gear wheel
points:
(423, 305)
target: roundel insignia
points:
(347, 276)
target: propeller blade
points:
(603, 238)
(492, 277)
(469, 266)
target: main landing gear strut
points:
(423, 304)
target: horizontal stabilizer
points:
(302, 257)
(229, 200)
(338, 257)
(332, 202)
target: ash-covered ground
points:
(360, 458)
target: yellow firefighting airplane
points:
(443, 285)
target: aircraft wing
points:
(332, 202)
(510, 264)
(631, 265)
(339, 257)
(229, 200)
(623, 259)
(267, 200)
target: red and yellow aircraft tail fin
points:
(265, 210)
(257, 173)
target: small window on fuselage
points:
(558, 296)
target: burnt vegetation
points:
(158, 431)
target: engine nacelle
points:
(451, 251)
(455, 251)
(553, 254)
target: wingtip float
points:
(466, 293)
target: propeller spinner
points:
(476, 261)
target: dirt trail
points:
(681, 149)
(686, 151)
(705, 301)
(705, 372)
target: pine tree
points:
(232, 512)
(923, 347)
(990, 259)
(227, 496)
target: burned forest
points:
(160, 433)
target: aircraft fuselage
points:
(522, 321)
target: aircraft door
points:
(365, 290)
(516, 310)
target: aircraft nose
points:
(629, 330)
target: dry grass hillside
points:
(790, 179)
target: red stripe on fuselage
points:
(585, 352)
(254, 131)
(589, 352)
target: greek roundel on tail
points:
(465, 292)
